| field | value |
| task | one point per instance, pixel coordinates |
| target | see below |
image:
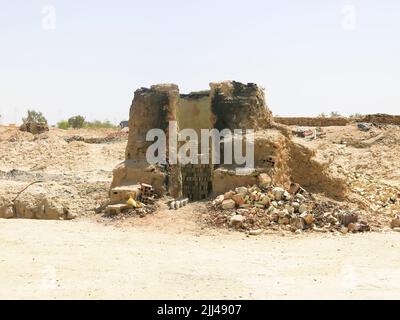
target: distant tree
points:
(335, 114)
(35, 117)
(76, 122)
(322, 115)
(64, 124)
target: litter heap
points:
(255, 209)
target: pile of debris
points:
(255, 209)
(381, 200)
(132, 200)
(139, 212)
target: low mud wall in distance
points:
(328, 122)
(312, 122)
(382, 119)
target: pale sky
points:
(88, 57)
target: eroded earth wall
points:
(239, 106)
(228, 105)
(151, 109)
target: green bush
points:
(76, 122)
(63, 125)
(35, 117)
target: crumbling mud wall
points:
(194, 111)
(285, 162)
(312, 122)
(242, 106)
(313, 175)
(225, 180)
(131, 172)
(239, 106)
(271, 154)
(228, 105)
(270, 157)
(151, 109)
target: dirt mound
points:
(8, 134)
(50, 151)
(75, 176)
(351, 151)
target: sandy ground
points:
(80, 259)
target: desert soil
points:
(172, 254)
(85, 260)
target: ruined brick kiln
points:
(227, 105)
